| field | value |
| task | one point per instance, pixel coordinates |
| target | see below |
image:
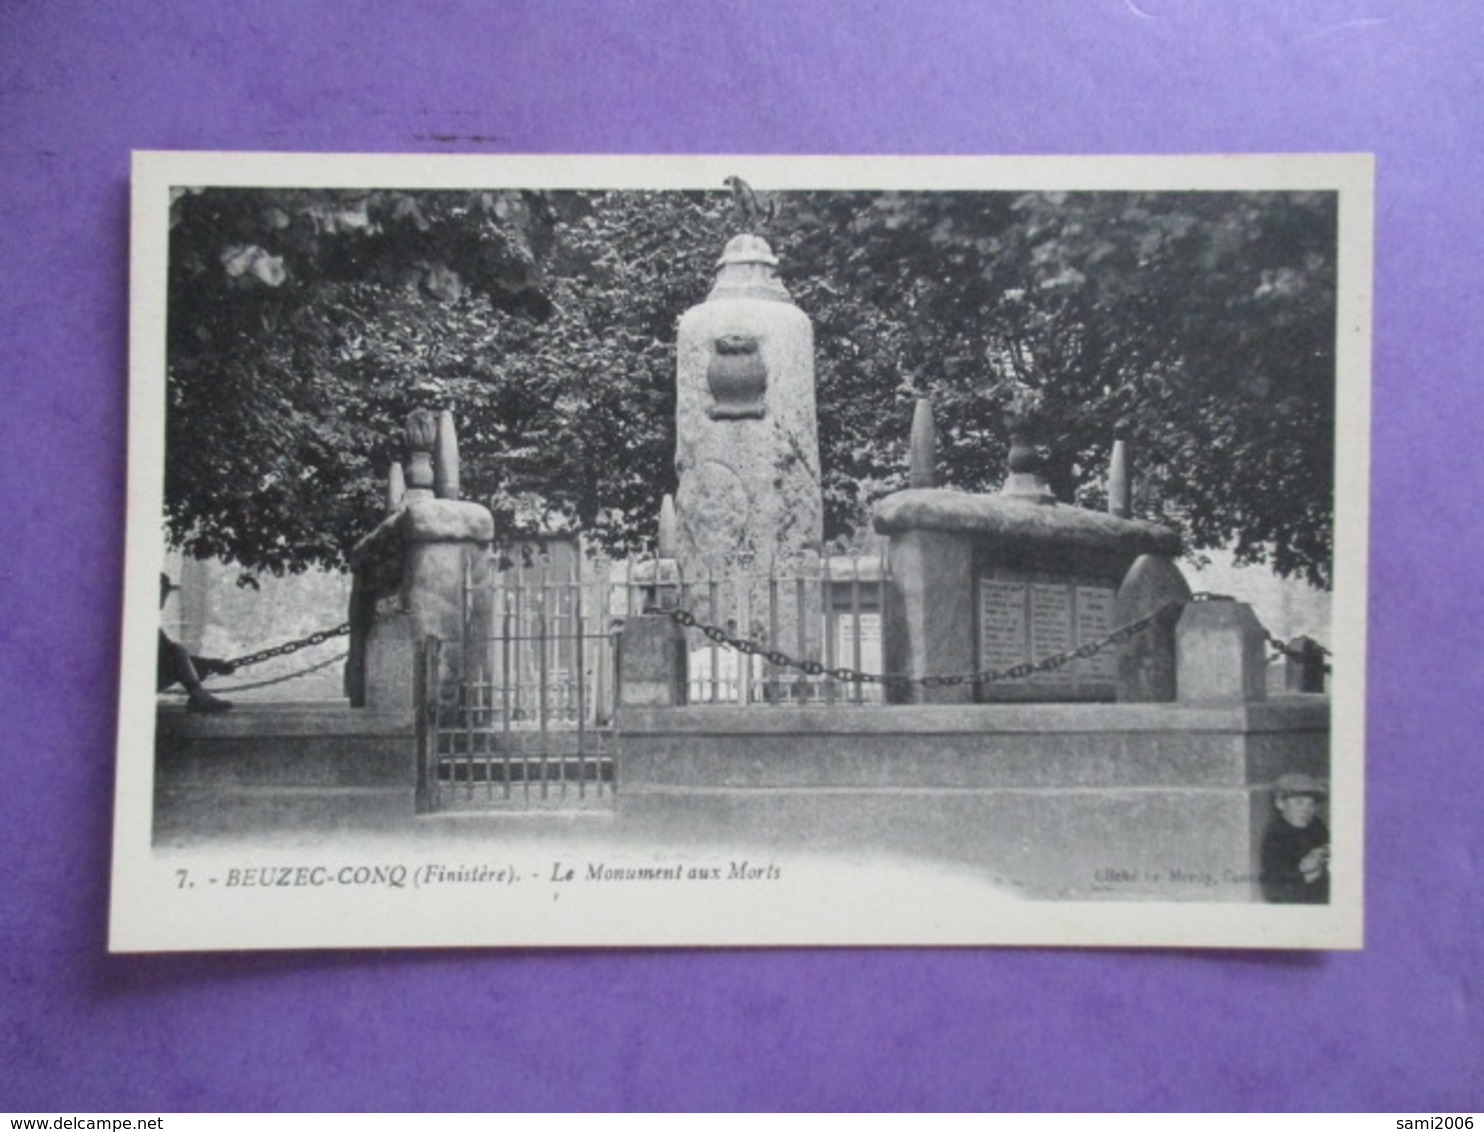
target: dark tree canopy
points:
(304, 325)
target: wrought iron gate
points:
(519, 714)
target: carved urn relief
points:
(737, 378)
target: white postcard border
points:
(818, 900)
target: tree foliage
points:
(303, 325)
(1198, 326)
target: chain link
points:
(780, 659)
(290, 647)
(269, 683)
(687, 619)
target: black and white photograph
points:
(744, 550)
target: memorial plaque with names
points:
(1025, 617)
(1051, 629)
(1094, 622)
(1003, 639)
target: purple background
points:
(1394, 1027)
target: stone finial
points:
(748, 269)
(446, 458)
(422, 430)
(923, 453)
(667, 533)
(1120, 501)
(422, 434)
(1025, 480)
(396, 487)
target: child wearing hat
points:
(1295, 848)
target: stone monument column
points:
(747, 440)
(422, 572)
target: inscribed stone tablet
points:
(1003, 639)
(1094, 622)
(1051, 629)
(869, 633)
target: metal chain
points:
(780, 659)
(1281, 649)
(289, 647)
(274, 680)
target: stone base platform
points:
(973, 746)
(1062, 801)
(1094, 801)
(285, 744)
(314, 765)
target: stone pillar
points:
(747, 443)
(422, 572)
(651, 662)
(1219, 654)
(1303, 666)
(390, 663)
(928, 626)
(375, 573)
(1146, 662)
(438, 548)
(445, 546)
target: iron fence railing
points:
(546, 658)
(830, 613)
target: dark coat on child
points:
(1283, 847)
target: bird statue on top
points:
(754, 210)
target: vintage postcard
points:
(742, 550)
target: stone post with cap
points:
(412, 572)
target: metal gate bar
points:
(528, 720)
